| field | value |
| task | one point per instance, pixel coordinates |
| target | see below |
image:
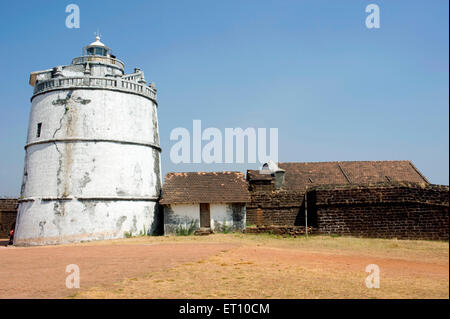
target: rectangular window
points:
(39, 127)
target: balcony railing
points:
(98, 58)
(95, 82)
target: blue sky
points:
(334, 89)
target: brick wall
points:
(276, 207)
(401, 210)
(281, 230)
(385, 210)
(8, 212)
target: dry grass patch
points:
(266, 266)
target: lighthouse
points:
(92, 156)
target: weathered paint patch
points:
(65, 101)
(86, 179)
(181, 217)
(120, 221)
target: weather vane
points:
(97, 34)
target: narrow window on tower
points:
(39, 127)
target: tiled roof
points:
(205, 187)
(300, 175)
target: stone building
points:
(92, 163)
(387, 199)
(362, 198)
(92, 171)
(205, 202)
(8, 212)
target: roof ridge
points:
(365, 161)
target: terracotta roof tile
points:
(205, 187)
(298, 176)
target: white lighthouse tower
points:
(92, 164)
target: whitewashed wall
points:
(228, 217)
(180, 216)
(92, 173)
(42, 222)
(220, 216)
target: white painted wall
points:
(88, 169)
(186, 212)
(182, 214)
(108, 115)
(220, 214)
(50, 222)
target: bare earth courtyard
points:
(228, 266)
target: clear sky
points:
(334, 89)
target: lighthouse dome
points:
(97, 48)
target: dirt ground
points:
(228, 266)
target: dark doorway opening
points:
(205, 217)
(312, 213)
